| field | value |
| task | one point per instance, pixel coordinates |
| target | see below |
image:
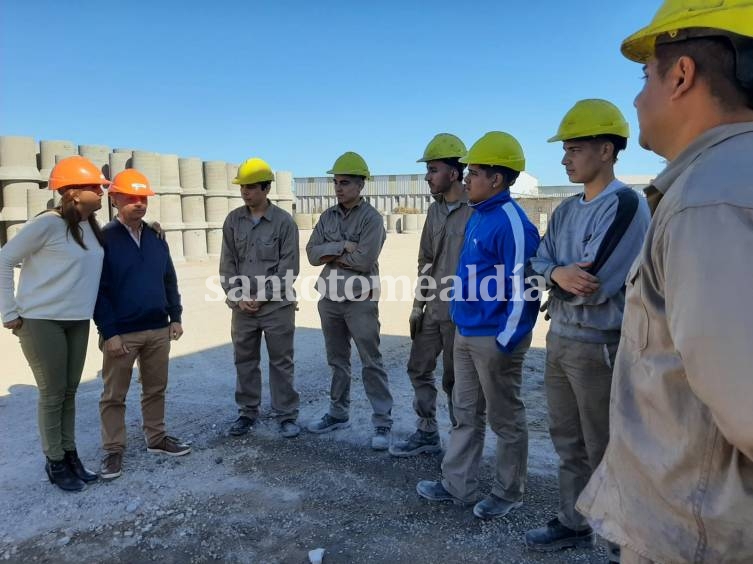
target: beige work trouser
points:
(578, 379)
(152, 351)
(487, 385)
(435, 337)
(278, 328)
(357, 320)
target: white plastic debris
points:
(316, 556)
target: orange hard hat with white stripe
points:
(131, 182)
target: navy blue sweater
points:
(138, 290)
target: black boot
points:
(62, 476)
(74, 462)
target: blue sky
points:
(298, 83)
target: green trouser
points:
(56, 351)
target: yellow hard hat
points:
(734, 16)
(496, 148)
(350, 163)
(253, 171)
(588, 118)
(443, 146)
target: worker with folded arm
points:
(590, 243)
(347, 240)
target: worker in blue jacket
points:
(494, 308)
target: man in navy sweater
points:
(137, 314)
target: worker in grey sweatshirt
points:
(585, 256)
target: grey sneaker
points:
(492, 507)
(381, 439)
(327, 424)
(289, 429)
(419, 442)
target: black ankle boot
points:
(74, 463)
(62, 476)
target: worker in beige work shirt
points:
(347, 239)
(676, 481)
(431, 329)
(259, 262)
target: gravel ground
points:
(260, 498)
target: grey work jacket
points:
(268, 249)
(438, 254)
(676, 482)
(357, 273)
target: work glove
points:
(416, 320)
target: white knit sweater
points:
(59, 280)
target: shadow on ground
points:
(262, 498)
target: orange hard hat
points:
(131, 182)
(75, 171)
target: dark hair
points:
(716, 60)
(266, 185)
(454, 162)
(509, 174)
(70, 214)
(619, 143)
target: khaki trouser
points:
(487, 381)
(278, 327)
(152, 351)
(341, 322)
(435, 337)
(578, 379)
(55, 351)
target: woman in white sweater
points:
(61, 253)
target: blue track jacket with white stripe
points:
(489, 295)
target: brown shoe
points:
(170, 446)
(112, 466)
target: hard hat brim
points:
(640, 46)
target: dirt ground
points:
(262, 498)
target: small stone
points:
(180, 516)
(133, 505)
(62, 541)
(218, 460)
(128, 533)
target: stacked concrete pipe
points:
(171, 211)
(50, 152)
(18, 176)
(100, 156)
(215, 180)
(149, 164)
(192, 206)
(120, 159)
(282, 190)
(233, 190)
